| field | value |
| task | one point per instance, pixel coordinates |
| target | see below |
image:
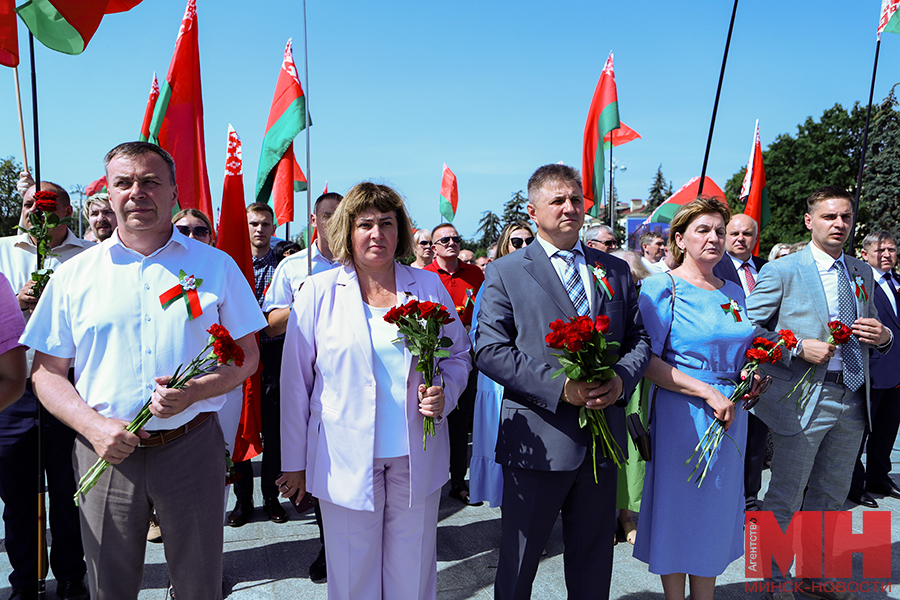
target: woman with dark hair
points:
(353, 404)
(286, 248)
(702, 346)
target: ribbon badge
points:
(187, 289)
(861, 294)
(600, 280)
(732, 308)
(469, 294)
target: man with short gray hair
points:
(600, 237)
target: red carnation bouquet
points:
(421, 324)
(587, 356)
(42, 222)
(761, 351)
(220, 349)
(838, 334)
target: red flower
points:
(602, 324)
(763, 343)
(790, 340)
(393, 315)
(443, 317)
(757, 354)
(45, 201)
(776, 355)
(227, 350)
(584, 328)
(840, 332)
(555, 340)
(427, 309)
(557, 325)
(217, 331)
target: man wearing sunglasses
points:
(600, 237)
(463, 281)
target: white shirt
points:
(290, 275)
(18, 260)
(560, 266)
(103, 310)
(881, 280)
(829, 278)
(389, 368)
(739, 267)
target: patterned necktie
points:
(850, 352)
(574, 284)
(748, 277)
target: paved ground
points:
(264, 560)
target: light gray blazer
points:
(789, 295)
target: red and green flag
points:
(177, 123)
(234, 239)
(624, 134)
(95, 187)
(9, 34)
(287, 118)
(287, 179)
(68, 25)
(890, 18)
(603, 117)
(148, 112)
(449, 194)
(754, 191)
(686, 193)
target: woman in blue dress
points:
(704, 350)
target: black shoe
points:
(241, 514)
(862, 498)
(318, 571)
(72, 590)
(889, 488)
(19, 594)
(461, 493)
(274, 510)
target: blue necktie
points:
(574, 284)
(851, 353)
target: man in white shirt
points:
(106, 314)
(18, 432)
(653, 249)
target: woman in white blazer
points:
(352, 406)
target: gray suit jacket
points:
(789, 295)
(522, 295)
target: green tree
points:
(489, 226)
(514, 209)
(10, 201)
(880, 197)
(659, 190)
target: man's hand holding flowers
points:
(593, 394)
(431, 400)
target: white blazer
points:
(328, 389)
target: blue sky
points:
(493, 89)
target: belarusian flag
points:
(287, 178)
(890, 19)
(177, 124)
(754, 192)
(234, 239)
(449, 194)
(95, 187)
(148, 112)
(9, 34)
(68, 25)
(623, 135)
(287, 118)
(603, 117)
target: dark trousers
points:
(270, 417)
(459, 424)
(532, 501)
(19, 490)
(885, 423)
(755, 456)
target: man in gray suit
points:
(817, 444)
(546, 457)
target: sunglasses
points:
(519, 242)
(198, 232)
(445, 241)
(609, 244)
(425, 243)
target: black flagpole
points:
(865, 143)
(42, 490)
(712, 122)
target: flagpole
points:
(865, 140)
(21, 122)
(612, 200)
(712, 122)
(308, 162)
(42, 515)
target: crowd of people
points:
(353, 424)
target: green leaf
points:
(441, 353)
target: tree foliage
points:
(489, 227)
(659, 190)
(880, 198)
(10, 201)
(514, 209)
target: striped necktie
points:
(574, 284)
(851, 353)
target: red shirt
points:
(463, 285)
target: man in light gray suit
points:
(546, 456)
(817, 444)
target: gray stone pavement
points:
(264, 560)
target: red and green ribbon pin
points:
(732, 308)
(599, 272)
(187, 289)
(861, 293)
